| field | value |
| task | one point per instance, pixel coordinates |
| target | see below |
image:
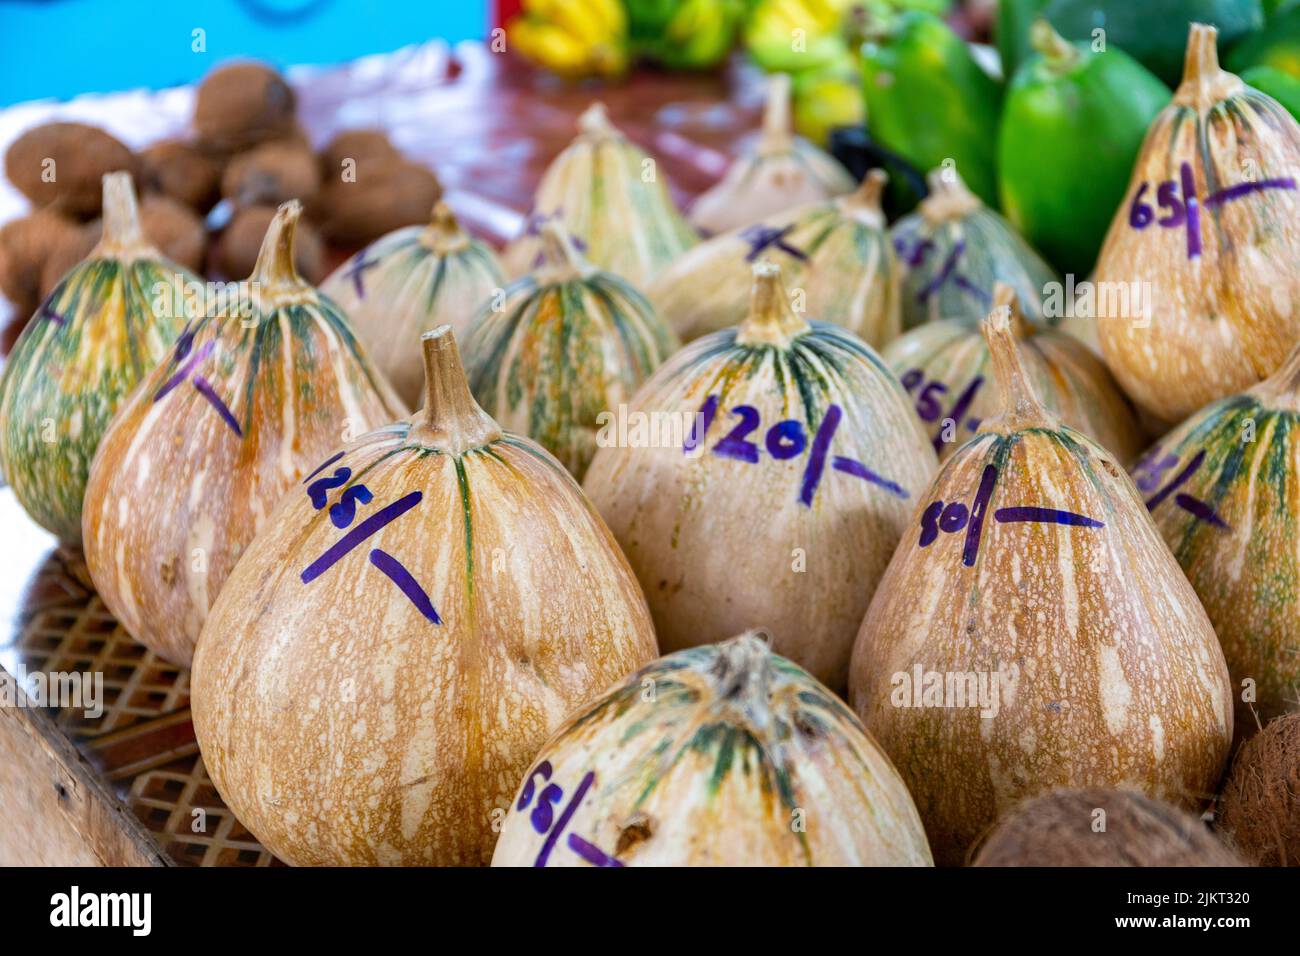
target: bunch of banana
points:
(574, 38)
(791, 36)
(685, 34)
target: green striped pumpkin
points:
(722, 755)
(408, 282)
(566, 345)
(834, 255)
(1224, 490)
(611, 198)
(804, 466)
(106, 324)
(953, 248)
(945, 366)
(252, 397)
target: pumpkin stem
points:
(870, 191)
(743, 672)
(122, 232)
(1204, 83)
(949, 197)
(594, 121)
(444, 234)
(1020, 406)
(1005, 296)
(452, 422)
(274, 268)
(776, 115)
(560, 259)
(1059, 52)
(1283, 386)
(771, 320)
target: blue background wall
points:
(59, 48)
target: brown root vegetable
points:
(271, 174)
(362, 146)
(1259, 811)
(182, 172)
(241, 105)
(62, 165)
(235, 253)
(25, 245)
(68, 250)
(383, 197)
(1095, 826)
(175, 229)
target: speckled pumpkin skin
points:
(1246, 570)
(556, 355)
(717, 542)
(1120, 680)
(610, 197)
(845, 267)
(1068, 378)
(102, 328)
(344, 727)
(176, 492)
(685, 775)
(405, 284)
(952, 258)
(1224, 320)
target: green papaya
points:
(1278, 47)
(1153, 32)
(1072, 124)
(1283, 87)
(1011, 31)
(930, 102)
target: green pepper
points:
(1072, 125)
(1277, 46)
(1283, 87)
(1153, 32)
(929, 101)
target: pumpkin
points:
(954, 248)
(1224, 490)
(410, 281)
(1210, 227)
(835, 254)
(780, 172)
(794, 425)
(250, 399)
(721, 755)
(423, 610)
(105, 324)
(944, 365)
(564, 347)
(610, 197)
(1033, 632)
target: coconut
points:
(66, 251)
(1095, 826)
(380, 198)
(181, 171)
(63, 165)
(1259, 810)
(235, 253)
(241, 105)
(25, 245)
(271, 174)
(361, 146)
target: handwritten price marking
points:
(927, 401)
(545, 823)
(1151, 469)
(188, 371)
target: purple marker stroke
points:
(398, 574)
(361, 532)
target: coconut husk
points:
(242, 104)
(1259, 811)
(175, 229)
(362, 146)
(25, 245)
(1061, 829)
(271, 174)
(235, 253)
(80, 155)
(68, 250)
(181, 171)
(384, 196)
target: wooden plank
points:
(55, 809)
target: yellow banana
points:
(549, 46)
